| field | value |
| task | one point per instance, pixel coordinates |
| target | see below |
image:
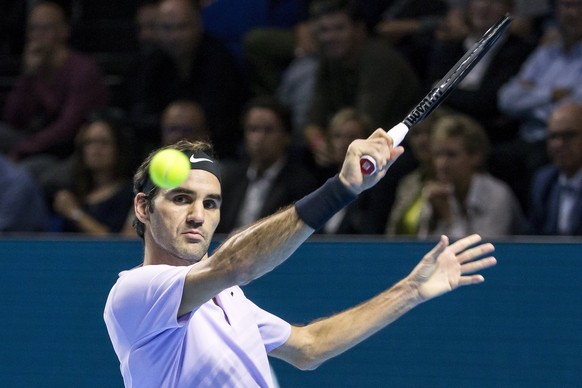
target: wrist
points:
(317, 208)
(347, 185)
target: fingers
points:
(472, 253)
(464, 243)
(379, 147)
(382, 134)
(478, 265)
(438, 249)
(469, 280)
(465, 254)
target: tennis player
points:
(181, 320)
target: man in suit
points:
(269, 178)
(556, 195)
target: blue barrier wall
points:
(521, 328)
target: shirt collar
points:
(575, 181)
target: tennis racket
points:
(442, 89)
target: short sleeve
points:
(274, 330)
(145, 301)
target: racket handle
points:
(397, 133)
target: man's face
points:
(565, 139)
(146, 24)
(46, 29)
(337, 35)
(179, 27)
(569, 16)
(183, 122)
(266, 140)
(184, 219)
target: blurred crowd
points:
(281, 88)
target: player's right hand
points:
(379, 147)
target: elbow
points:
(308, 364)
(308, 359)
(311, 366)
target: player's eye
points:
(211, 204)
(181, 199)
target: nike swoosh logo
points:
(198, 160)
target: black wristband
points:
(317, 208)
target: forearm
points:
(334, 335)
(260, 248)
(87, 224)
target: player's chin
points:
(193, 253)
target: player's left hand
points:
(447, 267)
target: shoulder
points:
(233, 171)
(491, 187)
(147, 275)
(147, 282)
(380, 50)
(544, 175)
(15, 176)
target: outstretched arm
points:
(266, 244)
(443, 269)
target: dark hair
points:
(83, 180)
(273, 104)
(142, 174)
(319, 8)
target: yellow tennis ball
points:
(169, 168)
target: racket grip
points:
(397, 133)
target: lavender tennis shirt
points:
(222, 344)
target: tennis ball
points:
(169, 168)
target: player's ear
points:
(141, 204)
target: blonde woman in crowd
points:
(463, 198)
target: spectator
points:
(296, 92)
(146, 17)
(188, 65)
(409, 25)
(476, 95)
(183, 120)
(22, 206)
(529, 17)
(355, 70)
(551, 76)
(101, 196)
(269, 50)
(55, 93)
(463, 197)
(368, 213)
(270, 177)
(557, 188)
(409, 199)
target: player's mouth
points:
(193, 235)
